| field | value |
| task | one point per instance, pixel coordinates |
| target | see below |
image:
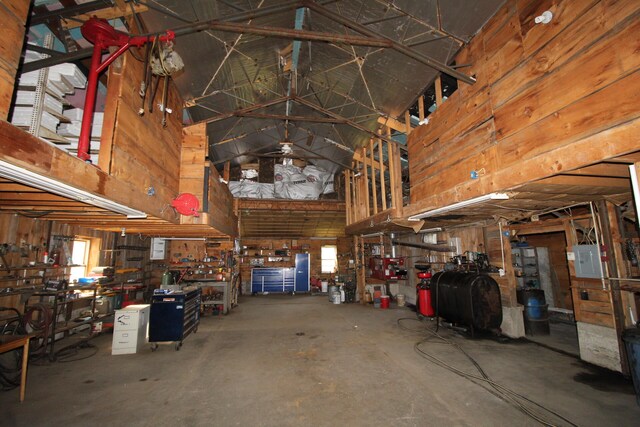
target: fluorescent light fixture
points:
(379, 233)
(430, 230)
(24, 176)
(198, 239)
(460, 205)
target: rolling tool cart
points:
(174, 315)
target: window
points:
(80, 258)
(329, 256)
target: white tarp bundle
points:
(251, 189)
(291, 182)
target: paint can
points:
(335, 297)
(384, 301)
(400, 300)
(376, 303)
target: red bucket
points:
(384, 301)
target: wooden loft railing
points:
(376, 186)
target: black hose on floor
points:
(518, 401)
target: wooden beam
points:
(587, 181)
(614, 170)
(291, 205)
(394, 124)
(107, 13)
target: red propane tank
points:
(424, 295)
(424, 301)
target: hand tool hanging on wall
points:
(146, 78)
(103, 35)
(162, 63)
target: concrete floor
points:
(563, 337)
(301, 361)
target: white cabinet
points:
(130, 329)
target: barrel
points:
(467, 299)
(536, 313)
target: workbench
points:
(225, 287)
(12, 342)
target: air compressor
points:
(424, 306)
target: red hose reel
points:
(186, 204)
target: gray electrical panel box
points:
(587, 263)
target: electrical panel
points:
(588, 264)
(158, 249)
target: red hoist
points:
(103, 36)
(425, 306)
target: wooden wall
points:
(13, 14)
(311, 246)
(135, 148)
(20, 230)
(548, 98)
(220, 204)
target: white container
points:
(130, 329)
(342, 295)
(325, 286)
(335, 297)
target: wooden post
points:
(347, 195)
(383, 184)
(360, 267)
(407, 122)
(365, 174)
(611, 237)
(438, 87)
(421, 108)
(226, 173)
(373, 179)
(392, 176)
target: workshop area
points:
(320, 212)
(304, 361)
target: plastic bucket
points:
(400, 300)
(631, 338)
(376, 303)
(384, 301)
